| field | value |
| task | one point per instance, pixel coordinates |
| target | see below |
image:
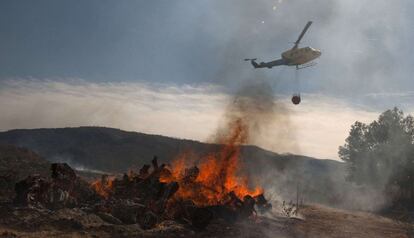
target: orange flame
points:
(104, 186)
(219, 173)
(211, 182)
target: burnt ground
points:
(316, 221)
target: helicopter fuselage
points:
(299, 56)
(293, 57)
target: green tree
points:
(380, 154)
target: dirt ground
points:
(328, 222)
(314, 221)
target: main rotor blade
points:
(303, 33)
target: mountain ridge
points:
(35, 138)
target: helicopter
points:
(299, 57)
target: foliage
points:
(381, 154)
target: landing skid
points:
(306, 65)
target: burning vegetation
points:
(217, 176)
(188, 192)
(215, 187)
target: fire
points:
(217, 178)
(104, 186)
(217, 175)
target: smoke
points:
(67, 158)
(360, 42)
(255, 105)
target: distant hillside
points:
(100, 148)
(114, 150)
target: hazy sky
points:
(146, 65)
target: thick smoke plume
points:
(254, 105)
